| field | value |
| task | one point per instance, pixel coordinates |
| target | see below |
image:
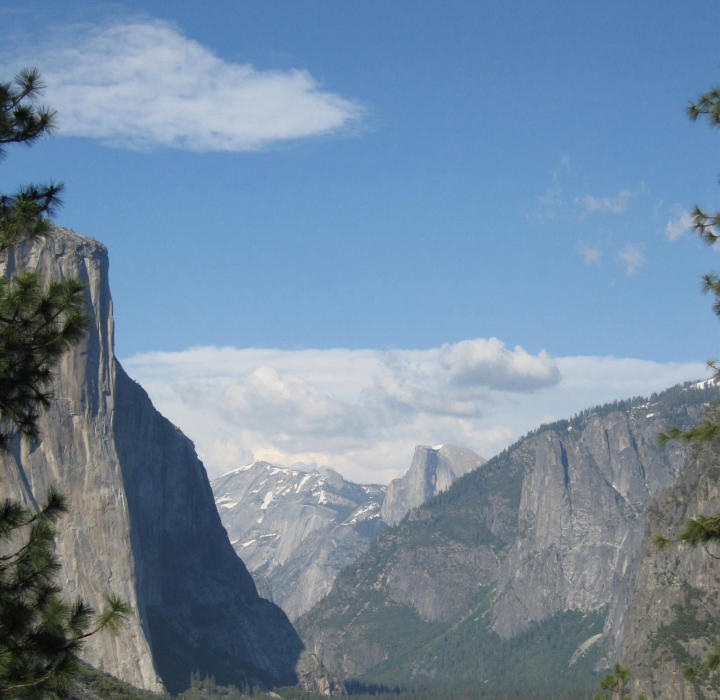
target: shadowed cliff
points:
(142, 520)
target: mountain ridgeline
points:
(517, 579)
(296, 530)
(520, 576)
(142, 521)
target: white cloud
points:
(363, 411)
(614, 205)
(632, 258)
(141, 84)
(489, 363)
(678, 225)
(548, 204)
(590, 255)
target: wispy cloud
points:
(614, 205)
(590, 255)
(550, 203)
(362, 411)
(632, 258)
(142, 83)
(561, 199)
(678, 225)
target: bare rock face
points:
(543, 542)
(295, 530)
(432, 471)
(673, 621)
(142, 521)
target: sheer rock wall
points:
(142, 521)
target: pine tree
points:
(38, 322)
(703, 529)
(40, 634)
(615, 683)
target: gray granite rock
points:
(673, 620)
(550, 526)
(432, 471)
(294, 529)
(142, 521)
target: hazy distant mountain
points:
(518, 577)
(295, 530)
(142, 521)
(433, 470)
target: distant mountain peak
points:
(142, 523)
(296, 529)
(432, 471)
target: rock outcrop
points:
(295, 530)
(142, 521)
(673, 621)
(534, 555)
(433, 470)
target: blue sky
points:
(382, 177)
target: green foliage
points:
(478, 511)
(398, 693)
(40, 634)
(108, 688)
(616, 680)
(23, 215)
(615, 683)
(713, 659)
(689, 624)
(207, 689)
(21, 122)
(470, 656)
(660, 541)
(701, 530)
(707, 227)
(38, 322)
(689, 673)
(704, 431)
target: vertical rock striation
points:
(432, 471)
(674, 618)
(142, 521)
(543, 542)
(295, 530)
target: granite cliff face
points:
(433, 470)
(142, 521)
(295, 530)
(534, 555)
(673, 621)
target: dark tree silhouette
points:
(40, 633)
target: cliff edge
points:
(142, 521)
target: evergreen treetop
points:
(40, 633)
